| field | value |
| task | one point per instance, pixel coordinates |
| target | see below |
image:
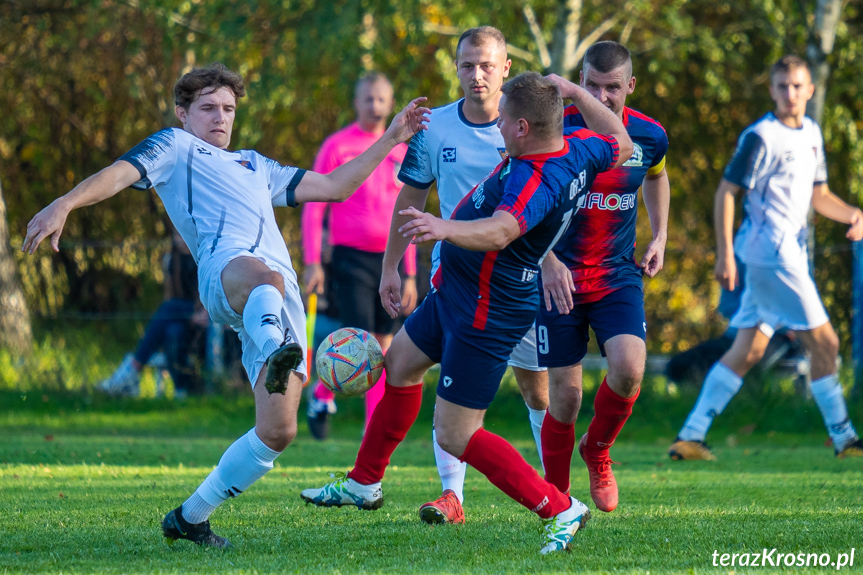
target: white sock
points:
(536, 416)
(450, 469)
(245, 461)
(262, 318)
(720, 385)
(827, 392)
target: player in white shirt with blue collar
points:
(222, 204)
(779, 164)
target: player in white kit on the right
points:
(779, 164)
(460, 148)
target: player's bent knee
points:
(452, 443)
(278, 437)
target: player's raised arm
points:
(830, 206)
(100, 186)
(338, 185)
(598, 118)
(723, 218)
(397, 244)
(657, 199)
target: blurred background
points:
(82, 81)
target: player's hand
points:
(557, 284)
(409, 296)
(654, 257)
(855, 232)
(424, 227)
(313, 277)
(391, 292)
(48, 222)
(409, 121)
(726, 273)
(566, 87)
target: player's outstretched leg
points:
(243, 463)
(507, 470)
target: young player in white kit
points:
(460, 148)
(779, 164)
(222, 202)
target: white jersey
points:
(219, 201)
(777, 167)
(455, 153)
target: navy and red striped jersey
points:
(599, 247)
(498, 290)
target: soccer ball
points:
(349, 361)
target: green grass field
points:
(86, 481)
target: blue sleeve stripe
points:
(144, 183)
(291, 190)
(747, 162)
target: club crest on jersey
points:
(502, 152)
(204, 151)
(636, 160)
(478, 196)
(246, 164)
(449, 154)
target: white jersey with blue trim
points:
(777, 167)
(455, 153)
(218, 200)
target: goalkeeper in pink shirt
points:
(358, 231)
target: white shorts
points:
(524, 354)
(775, 297)
(216, 303)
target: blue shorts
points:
(472, 361)
(562, 339)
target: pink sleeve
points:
(313, 213)
(312, 226)
(410, 260)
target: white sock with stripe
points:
(720, 385)
(245, 461)
(827, 392)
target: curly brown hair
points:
(216, 75)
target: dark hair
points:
(480, 36)
(537, 100)
(607, 56)
(189, 87)
(789, 63)
(369, 79)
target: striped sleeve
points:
(154, 158)
(749, 161)
(602, 149)
(525, 197)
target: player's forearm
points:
(484, 235)
(657, 200)
(723, 219)
(344, 180)
(312, 231)
(830, 206)
(397, 244)
(602, 120)
(98, 187)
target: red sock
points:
(558, 441)
(611, 412)
(393, 417)
(504, 466)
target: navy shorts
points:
(562, 339)
(472, 361)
